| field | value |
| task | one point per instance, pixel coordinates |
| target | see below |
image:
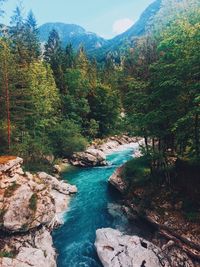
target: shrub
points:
(6, 254)
(137, 171)
(67, 139)
(33, 202)
(11, 189)
(33, 149)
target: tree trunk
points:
(197, 142)
(6, 85)
(146, 144)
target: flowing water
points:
(94, 206)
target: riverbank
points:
(162, 208)
(30, 208)
(95, 206)
(95, 154)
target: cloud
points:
(121, 25)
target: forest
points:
(100, 144)
(55, 100)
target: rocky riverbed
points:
(119, 250)
(176, 236)
(30, 207)
(95, 154)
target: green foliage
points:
(3, 136)
(32, 149)
(105, 109)
(33, 202)
(66, 139)
(137, 171)
(55, 103)
(6, 254)
(11, 189)
(160, 87)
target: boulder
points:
(117, 181)
(27, 209)
(116, 142)
(61, 201)
(57, 168)
(90, 158)
(10, 164)
(30, 207)
(32, 250)
(118, 250)
(60, 186)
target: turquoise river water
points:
(96, 205)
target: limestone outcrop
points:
(95, 155)
(30, 207)
(117, 181)
(29, 250)
(89, 158)
(118, 250)
(113, 143)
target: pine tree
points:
(82, 62)
(5, 63)
(69, 61)
(31, 38)
(54, 55)
(18, 36)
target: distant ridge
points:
(71, 33)
(99, 47)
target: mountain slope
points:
(156, 15)
(74, 34)
(141, 26)
(125, 39)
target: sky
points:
(106, 18)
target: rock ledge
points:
(30, 205)
(117, 250)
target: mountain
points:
(157, 14)
(140, 28)
(74, 34)
(94, 44)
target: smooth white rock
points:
(117, 250)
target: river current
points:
(96, 205)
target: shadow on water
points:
(96, 205)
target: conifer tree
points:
(54, 55)
(69, 60)
(5, 87)
(31, 38)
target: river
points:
(94, 206)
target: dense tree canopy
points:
(155, 85)
(48, 95)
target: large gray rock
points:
(117, 143)
(59, 186)
(21, 214)
(33, 250)
(11, 164)
(117, 181)
(61, 201)
(89, 158)
(117, 250)
(29, 202)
